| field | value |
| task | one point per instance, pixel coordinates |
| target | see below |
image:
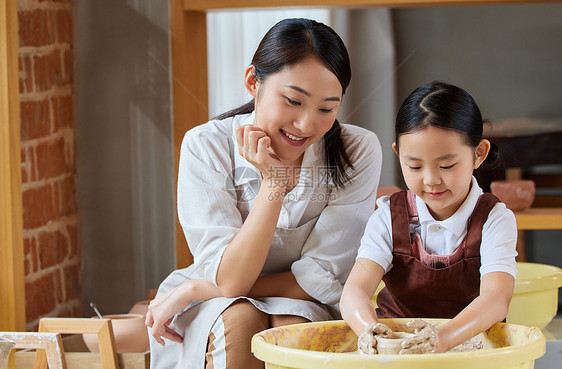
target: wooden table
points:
(539, 218)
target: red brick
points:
(66, 196)
(58, 287)
(25, 166)
(20, 69)
(39, 297)
(27, 255)
(35, 28)
(72, 282)
(63, 25)
(68, 66)
(63, 112)
(48, 71)
(35, 119)
(38, 207)
(53, 248)
(51, 159)
(25, 76)
(34, 256)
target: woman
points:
(273, 198)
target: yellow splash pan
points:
(535, 298)
(333, 345)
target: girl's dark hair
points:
(444, 106)
(289, 42)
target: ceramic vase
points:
(129, 331)
(517, 195)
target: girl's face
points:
(295, 106)
(437, 165)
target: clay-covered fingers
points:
(367, 343)
(414, 346)
(425, 339)
(380, 329)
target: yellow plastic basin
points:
(535, 298)
(333, 345)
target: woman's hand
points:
(254, 145)
(162, 309)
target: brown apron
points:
(438, 290)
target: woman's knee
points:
(281, 320)
(243, 316)
(230, 339)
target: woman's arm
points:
(279, 285)
(163, 308)
(244, 258)
(355, 305)
(490, 307)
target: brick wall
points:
(52, 256)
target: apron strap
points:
(400, 218)
(476, 222)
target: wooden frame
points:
(49, 343)
(12, 287)
(101, 327)
(189, 59)
(189, 67)
(206, 5)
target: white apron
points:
(196, 321)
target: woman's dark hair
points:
(444, 106)
(289, 42)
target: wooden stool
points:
(101, 327)
(48, 345)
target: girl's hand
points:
(255, 146)
(162, 310)
(424, 341)
(367, 343)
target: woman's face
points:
(295, 106)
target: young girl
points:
(272, 198)
(443, 248)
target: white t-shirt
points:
(216, 190)
(499, 234)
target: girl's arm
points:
(355, 305)
(490, 307)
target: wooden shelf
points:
(204, 5)
(539, 218)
